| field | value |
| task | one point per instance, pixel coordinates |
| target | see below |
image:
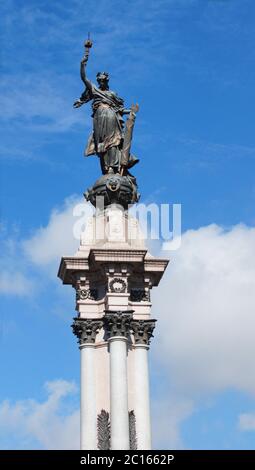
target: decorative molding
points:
(118, 323)
(117, 285)
(139, 295)
(132, 430)
(84, 294)
(103, 431)
(142, 330)
(86, 329)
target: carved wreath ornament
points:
(83, 294)
(117, 285)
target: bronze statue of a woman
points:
(109, 140)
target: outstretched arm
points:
(86, 82)
(86, 95)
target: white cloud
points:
(167, 415)
(205, 308)
(50, 243)
(247, 422)
(43, 249)
(14, 278)
(15, 283)
(44, 425)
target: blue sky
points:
(190, 65)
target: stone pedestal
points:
(112, 273)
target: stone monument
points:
(112, 274)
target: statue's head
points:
(103, 80)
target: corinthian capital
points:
(142, 330)
(86, 329)
(118, 323)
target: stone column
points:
(86, 330)
(142, 331)
(117, 324)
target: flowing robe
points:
(107, 137)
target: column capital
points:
(118, 323)
(86, 329)
(142, 330)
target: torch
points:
(87, 45)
